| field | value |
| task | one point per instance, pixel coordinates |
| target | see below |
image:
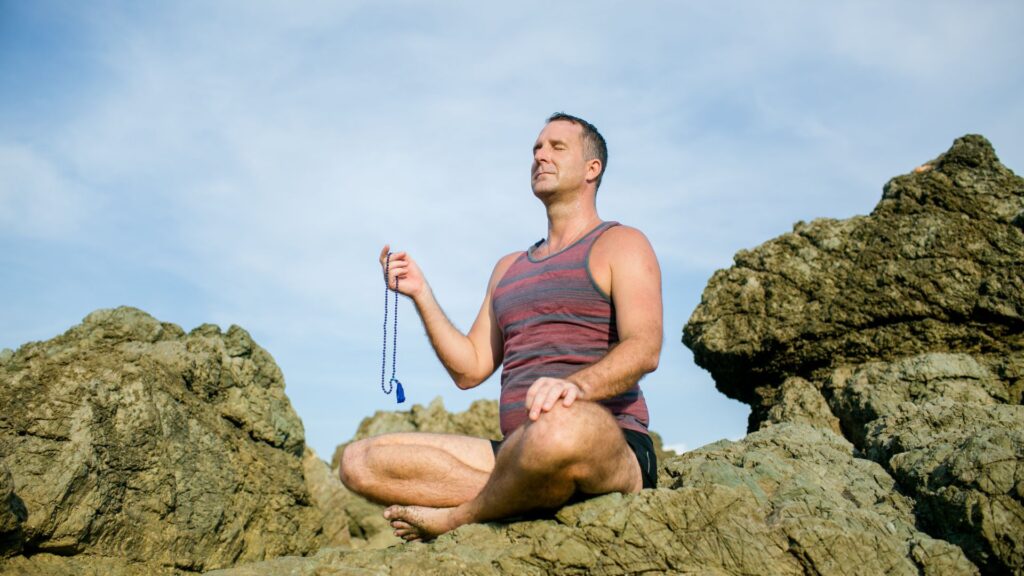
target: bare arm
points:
(625, 266)
(469, 358)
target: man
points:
(575, 322)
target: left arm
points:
(624, 266)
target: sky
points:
(243, 162)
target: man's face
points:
(558, 162)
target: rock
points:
(329, 496)
(12, 514)
(935, 420)
(131, 443)
(791, 499)
(800, 401)
(907, 326)
(937, 267)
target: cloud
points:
(261, 154)
(36, 199)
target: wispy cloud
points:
(245, 162)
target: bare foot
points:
(420, 522)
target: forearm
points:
(453, 348)
(619, 370)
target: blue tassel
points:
(399, 392)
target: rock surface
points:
(907, 328)
(12, 514)
(136, 447)
(791, 499)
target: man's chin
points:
(542, 192)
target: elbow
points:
(652, 364)
(466, 381)
(651, 360)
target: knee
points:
(559, 436)
(352, 469)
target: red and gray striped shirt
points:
(555, 320)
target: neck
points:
(567, 224)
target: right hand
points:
(403, 273)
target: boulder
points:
(791, 499)
(905, 327)
(137, 448)
(936, 267)
(936, 422)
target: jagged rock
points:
(909, 323)
(791, 499)
(136, 446)
(800, 401)
(936, 422)
(12, 514)
(938, 266)
(328, 496)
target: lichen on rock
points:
(128, 439)
(907, 326)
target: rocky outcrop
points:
(12, 514)
(791, 499)
(905, 328)
(136, 448)
(881, 356)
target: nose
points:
(540, 154)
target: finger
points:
(553, 395)
(572, 392)
(384, 253)
(544, 400)
(536, 390)
(534, 397)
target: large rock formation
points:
(881, 355)
(791, 499)
(136, 448)
(904, 329)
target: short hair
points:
(594, 145)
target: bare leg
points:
(540, 466)
(417, 468)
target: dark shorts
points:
(642, 447)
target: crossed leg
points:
(540, 466)
(417, 468)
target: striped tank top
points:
(555, 321)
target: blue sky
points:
(243, 162)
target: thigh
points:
(470, 451)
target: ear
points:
(594, 169)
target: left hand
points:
(545, 393)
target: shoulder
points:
(622, 240)
(504, 263)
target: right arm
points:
(469, 358)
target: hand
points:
(403, 273)
(545, 393)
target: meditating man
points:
(575, 322)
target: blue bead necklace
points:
(393, 384)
